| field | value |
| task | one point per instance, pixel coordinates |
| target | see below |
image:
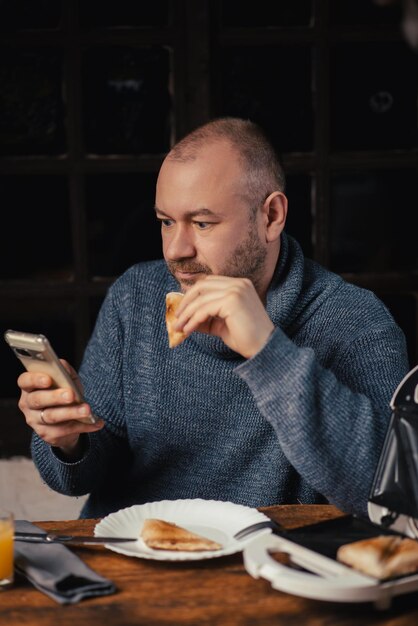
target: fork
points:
(253, 528)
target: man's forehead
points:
(217, 160)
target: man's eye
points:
(166, 222)
(202, 225)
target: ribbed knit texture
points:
(305, 416)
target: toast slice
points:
(161, 535)
(172, 301)
(385, 556)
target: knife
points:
(71, 539)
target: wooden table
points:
(211, 592)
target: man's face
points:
(206, 226)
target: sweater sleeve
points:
(101, 374)
(330, 424)
(79, 477)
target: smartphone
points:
(36, 354)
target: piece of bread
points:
(161, 535)
(172, 301)
(385, 556)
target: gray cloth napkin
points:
(56, 571)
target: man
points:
(281, 391)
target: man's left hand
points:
(229, 308)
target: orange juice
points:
(6, 550)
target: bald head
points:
(261, 171)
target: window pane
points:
(130, 13)
(121, 224)
(358, 12)
(403, 309)
(127, 100)
(31, 103)
(371, 221)
(36, 227)
(52, 317)
(250, 77)
(30, 14)
(374, 97)
(299, 216)
(267, 13)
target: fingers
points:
(57, 427)
(212, 283)
(62, 434)
(202, 309)
(72, 372)
(229, 308)
(53, 413)
(211, 294)
(58, 415)
(41, 398)
(69, 369)
(211, 297)
(38, 393)
(28, 381)
(57, 407)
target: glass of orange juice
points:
(6, 548)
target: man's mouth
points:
(187, 278)
(186, 273)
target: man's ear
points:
(274, 213)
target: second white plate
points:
(214, 519)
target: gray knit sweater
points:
(301, 421)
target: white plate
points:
(213, 519)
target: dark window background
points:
(299, 223)
(93, 94)
(20, 15)
(121, 225)
(364, 12)
(271, 97)
(32, 108)
(36, 225)
(371, 231)
(372, 105)
(126, 100)
(124, 14)
(267, 14)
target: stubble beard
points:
(247, 260)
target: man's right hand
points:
(53, 413)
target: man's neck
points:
(269, 270)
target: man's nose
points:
(180, 244)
